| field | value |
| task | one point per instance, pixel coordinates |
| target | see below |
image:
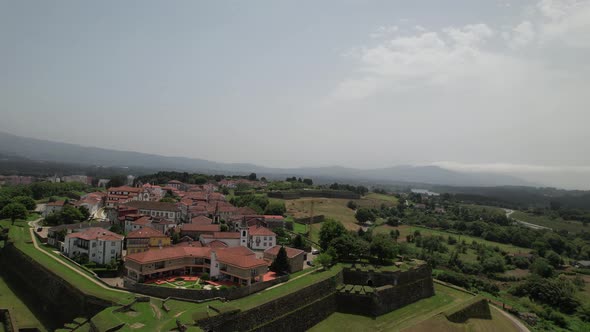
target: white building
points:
(168, 211)
(99, 244)
(261, 238)
(53, 207)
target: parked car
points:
(310, 263)
(39, 229)
(315, 251)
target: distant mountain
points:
(42, 150)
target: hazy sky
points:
(500, 85)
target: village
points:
(195, 235)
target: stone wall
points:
(359, 275)
(390, 298)
(192, 294)
(53, 296)
(478, 307)
(7, 321)
(318, 297)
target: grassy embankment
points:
(19, 233)
(22, 314)
(410, 315)
(546, 221)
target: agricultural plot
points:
(545, 221)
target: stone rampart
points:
(52, 296)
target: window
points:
(93, 244)
(93, 255)
(265, 238)
(112, 251)
(113, 244)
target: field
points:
(397, 320)
(405, 230)
(336, 208)
(22, 314)
(555, 224)
(489, 209)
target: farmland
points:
(546, 221)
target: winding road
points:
(524, 223)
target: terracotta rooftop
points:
(291, 252)
(158, 206)
(222, 235)
(260, 231)
(96, 233)
(201, 220)
(145, 220)
(56, 203)
(125, 188)
(200, 228)
(146, 232)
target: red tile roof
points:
(260, 231)
(146, 232)
(125, 188)
(222, 235)
(217, 244)
(142, 221)
(168, 253)
(202, 220)
(200, 228)
(56, 203)
(240, 257)
(95, 233)
(157, 206)
(291, 252)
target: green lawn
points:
(22, 314)
(555, 224)
(22, 240)
(396, 320)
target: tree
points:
(27, 201)
(363, 215)
(308, 182)
(553, 258)
(276, 208)
(383, 248)
(325, 260)
(330, 230)
(223, 228)
(351, 205)
(70, 214)
(298, 242)
(281, 263)
(493, 263)
(85, 213)
(541, 267)
(168, 200)
(347, 246)
(14, 211)
(252, 177)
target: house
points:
(101, 246)
(237, 264)
(163, 225)
(176, 185)
(295, 257)
(196, 230)
(169, 211)
(231, 239)
(145, 238)
(201, 220)
(583, 264)
(56, 235)
(92, 202)
(261, 238)
(53, 207)
(151, 193)
(134, 222)
(121, 195)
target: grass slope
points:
(22, 314)
(396, 320)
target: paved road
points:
(524, 223)
(518, 324)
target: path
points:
(524, 223)
(518, 324)
(288, 281)
(34, 238)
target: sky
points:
(470, 85)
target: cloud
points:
(522, 35)
(566, 21)
(384, 31)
